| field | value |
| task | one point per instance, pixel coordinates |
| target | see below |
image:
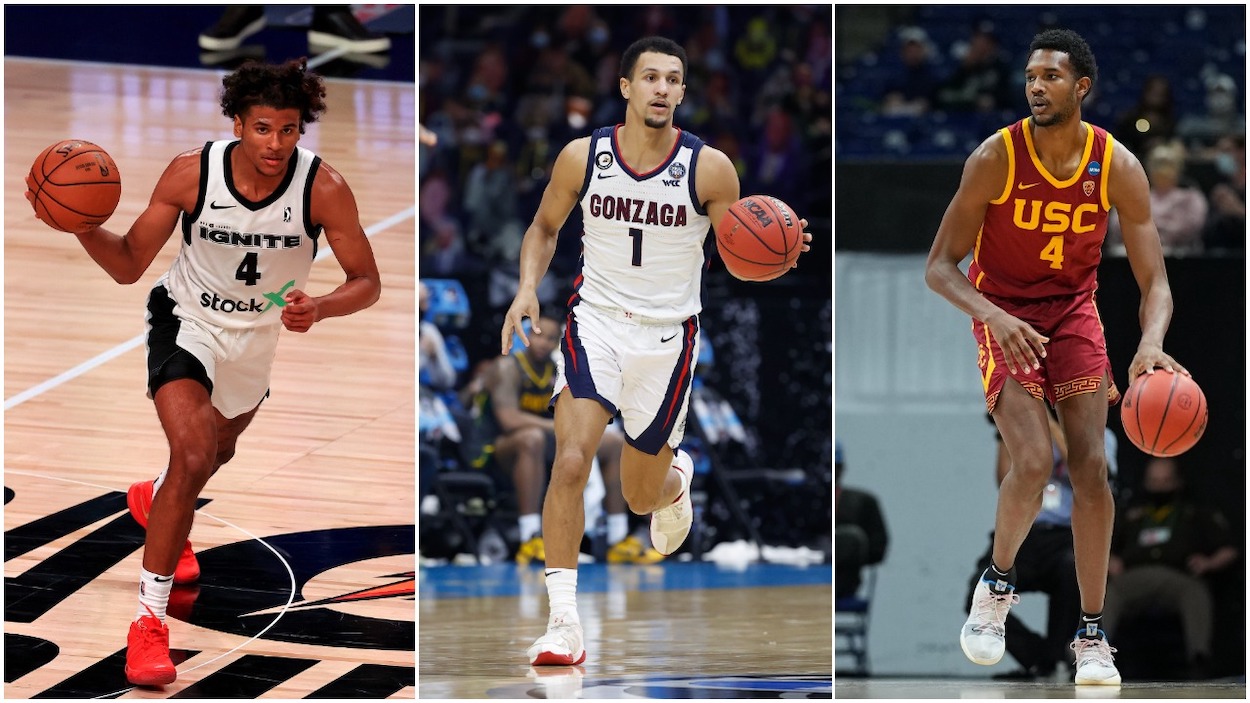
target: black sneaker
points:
(237, 23)
(339, 29)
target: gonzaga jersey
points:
(1043, 237)
(642, 248)
(238, 257)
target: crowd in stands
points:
(934, 81)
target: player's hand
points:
(1023, 347)
(300, 311)
(524, 305)
(807, 240)
(1148, 358)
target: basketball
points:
(75, 185)
(759, 238)
(1164, 414)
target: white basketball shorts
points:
(236, 363)
(644, 369)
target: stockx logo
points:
(276, 298)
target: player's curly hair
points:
(280, 86)
(1072, 44)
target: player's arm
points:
(539, 243)
(716, 183)
(1128, 192)
(984, 176)
(334, 207)
(127, 257)
(505, 398)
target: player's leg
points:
(579, 425)
(623, 547)
(1022, 421)
(522, 454)
(1084, 418)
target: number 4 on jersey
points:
(1054, 252)
(248, 270)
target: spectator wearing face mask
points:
(1226, 216)
(1164, 548)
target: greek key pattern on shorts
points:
(1034, 389)
(1076, 386)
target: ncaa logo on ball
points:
(1185, 402)
(761, 215)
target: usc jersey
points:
(239, 258)
(642, 246)
(1043, 237)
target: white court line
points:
(129, 344)
(290, 574)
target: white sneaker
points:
(1094, 664)
(671, 525)
(983, 637)
(560, 646)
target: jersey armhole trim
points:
(1105, 194)
(312, 229)
(590, 163)
(1011, 167)
(189, 218)
(695, 147)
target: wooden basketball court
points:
(306, 538)
(670, 630)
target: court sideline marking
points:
(290, 574)
(105, 357)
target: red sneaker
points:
(147, 653)
(139, 500)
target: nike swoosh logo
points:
(548, 573)
(608, 175)
(1022, 186)
(158, 579)
(667, 339)
(215, 206)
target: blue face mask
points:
(1225, 164)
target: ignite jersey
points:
(1043, 237)
(239, 258)
(642, 247)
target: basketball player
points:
(1032, 208)
(649, 194)
(251, 213)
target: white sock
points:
(618, 527)
(562, 594)
(530, 525)
(153, 593)
(156, 485)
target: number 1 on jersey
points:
(636, 235)
(1053, 252)
(248, 270)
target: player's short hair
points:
(1072, 44)
(280, 86)
(659, 45)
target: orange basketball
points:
(759, 238)
(75, 185)
(1164, 413)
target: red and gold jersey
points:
(1043, 237)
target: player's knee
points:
(571, 469)
(1088, 472)
(189, 471)
(1033, 471)
(641, 499)
(532, 440)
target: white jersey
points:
(642, 250)
(238, 257)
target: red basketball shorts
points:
(1076, 355)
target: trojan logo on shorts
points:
(603, 159)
